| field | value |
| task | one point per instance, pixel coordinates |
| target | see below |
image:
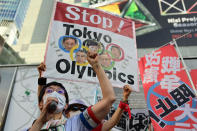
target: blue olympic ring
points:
(61, 47)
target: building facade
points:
(14, 10)
(34, 34)
(12, 15)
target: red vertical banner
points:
(167, 90)
(193, 74)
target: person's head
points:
(81, 56)
(75, 107)
(55, 91)
(69, 42)
(105, 60)
(116, 52)
(93, 45)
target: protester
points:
(69, 42)
(77, 106)
(107, 125)
(42, 81)
(86, 120)
(74, 105)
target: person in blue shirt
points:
(85, 121)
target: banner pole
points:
(182, 36)
(188, 74)
(170, 42)
(174, 40)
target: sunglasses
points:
(77, 108)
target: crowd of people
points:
(58, 113)
(75, 115)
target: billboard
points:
(176, 18)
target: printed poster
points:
(75, 30)
(169, 95)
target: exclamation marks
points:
(152, 115)
(120, 25)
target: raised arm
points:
(107, 125)
(41, 81)
(102, 108)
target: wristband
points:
(126, 101)
(42, 81)
(125, 107)
(122, 105)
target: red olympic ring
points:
(122, 51)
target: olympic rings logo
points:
(72, 58)
(112, 62)
(72, 37)
(121, 52)
(113, 51)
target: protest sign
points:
(193, 73)
(75, 30)
(167, 89)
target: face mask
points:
(61, 100)
(73, 113)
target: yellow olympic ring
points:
(72, 58)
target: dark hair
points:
(71, 106)
(82, 50)
(55, 84)
(66, 38)
(90, 42)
